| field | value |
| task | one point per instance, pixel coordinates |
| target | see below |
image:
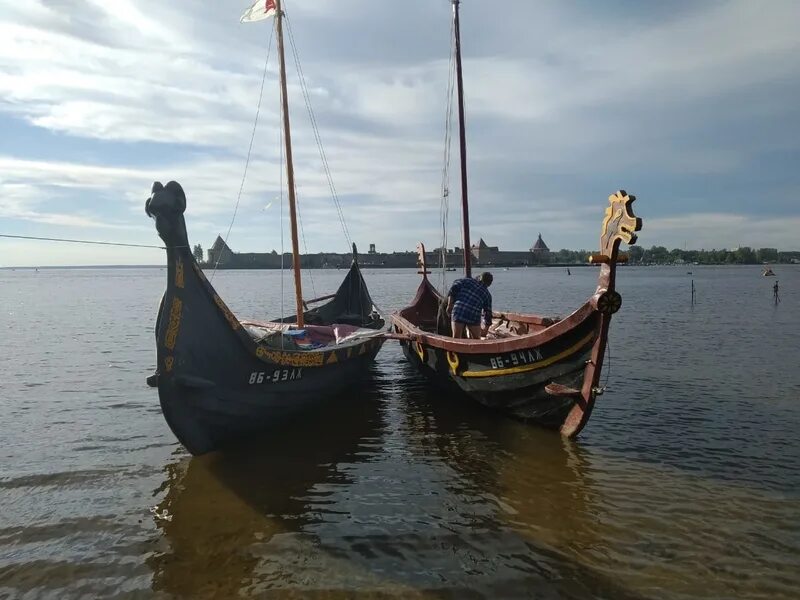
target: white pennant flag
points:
(261, 9)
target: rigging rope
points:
(448, 136)
(305, 245)
(249, 151)
(602, 388)
(608, 371)
(297, 206)
(71, 241)
(317, 137)
(280, 187)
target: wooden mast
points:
(463, 138)
(287, 136)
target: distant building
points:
(483, 253)
(219, 253)
(540, 252)
(539, 246)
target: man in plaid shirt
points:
(467, 300)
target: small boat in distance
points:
(221, 379)
(537, 368)
(768, 272)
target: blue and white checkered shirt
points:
(470, 298)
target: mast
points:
(287, 136)
(463, 138)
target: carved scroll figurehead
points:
(422, 260)
(619, 225)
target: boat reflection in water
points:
(235, 519)
(537, 510)
(392, 494)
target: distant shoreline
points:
(387, 268)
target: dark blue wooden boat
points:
(217, 382)
(220, 379)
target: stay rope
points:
(322, 155)
(280, 185)
(608, 370)
(297, 200)
(444, 210)
(249, 151)
(317, 137)
(305, 244)
(320, 147)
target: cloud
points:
(687, 107)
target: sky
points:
(691, 106)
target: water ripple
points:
(684, 485)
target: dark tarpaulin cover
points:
(351, 305)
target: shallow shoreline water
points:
(684, 484)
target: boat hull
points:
(512, 383)
(517, 396)
(538, 369)
(209, 418)
(218, 386)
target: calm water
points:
(685, 484)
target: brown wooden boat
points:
(542, 369)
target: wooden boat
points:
(542, 369)
(768, 272)
(220, 379)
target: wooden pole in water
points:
(462, 131)
(693, 293)
(287, 135)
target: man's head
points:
(486, 278)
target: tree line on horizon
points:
(739, 256)
(660, 255)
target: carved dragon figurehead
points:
(166, 205)
(619, 225)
